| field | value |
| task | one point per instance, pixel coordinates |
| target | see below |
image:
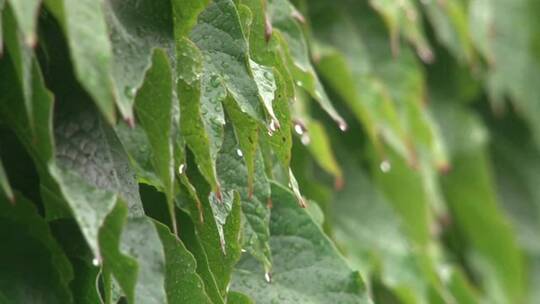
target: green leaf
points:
(373, 236)
(200, 121)
(307, 269)
(92, 169)
(4, 183)
(34, 268)
(135, 29)
(284, 17)
(182, 282)
(2, 5)
(218, 34)
(234, 175)
(194, 245)
(470, 194)
(90, 49)
(26, 13)
(22, 57)
(217, 237)
(512, 55)
(404, 17)
(154, 111)
(238, 298)
(451, 25)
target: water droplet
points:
(130, 91)
(268, 75)
(298, 129)
(214, 81)
(385, 166)
(95, 262)
(239, 153)
(181, 169)
(273, 125)
(343, 126)
(305, 139)
(268, 277)
(299, 83)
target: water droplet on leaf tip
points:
(130, 91)
(95, 262)
(343, 126)
(298, 129)
(273, 125)
(385, 166)
(268, 277)
(239, 152)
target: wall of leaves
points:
(267, 151)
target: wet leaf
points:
(306, 268)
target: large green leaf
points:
(307, 268)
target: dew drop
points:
(95, 262)
(273, 125)
(239, 153)
(181, 169)
(298, 129)
(268, 277)
(385, 166)
(130, 91)
(343, 126)
(305, 139)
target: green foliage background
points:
(267, 151)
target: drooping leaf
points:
(218, 34)
(22, 57)
(217, 238)
(135, 29)
(285, 18)
(200, 122)
(234, 175)
(154, 111)
(403, 17)
(25, 12)
(182, 282)
(90, 49)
